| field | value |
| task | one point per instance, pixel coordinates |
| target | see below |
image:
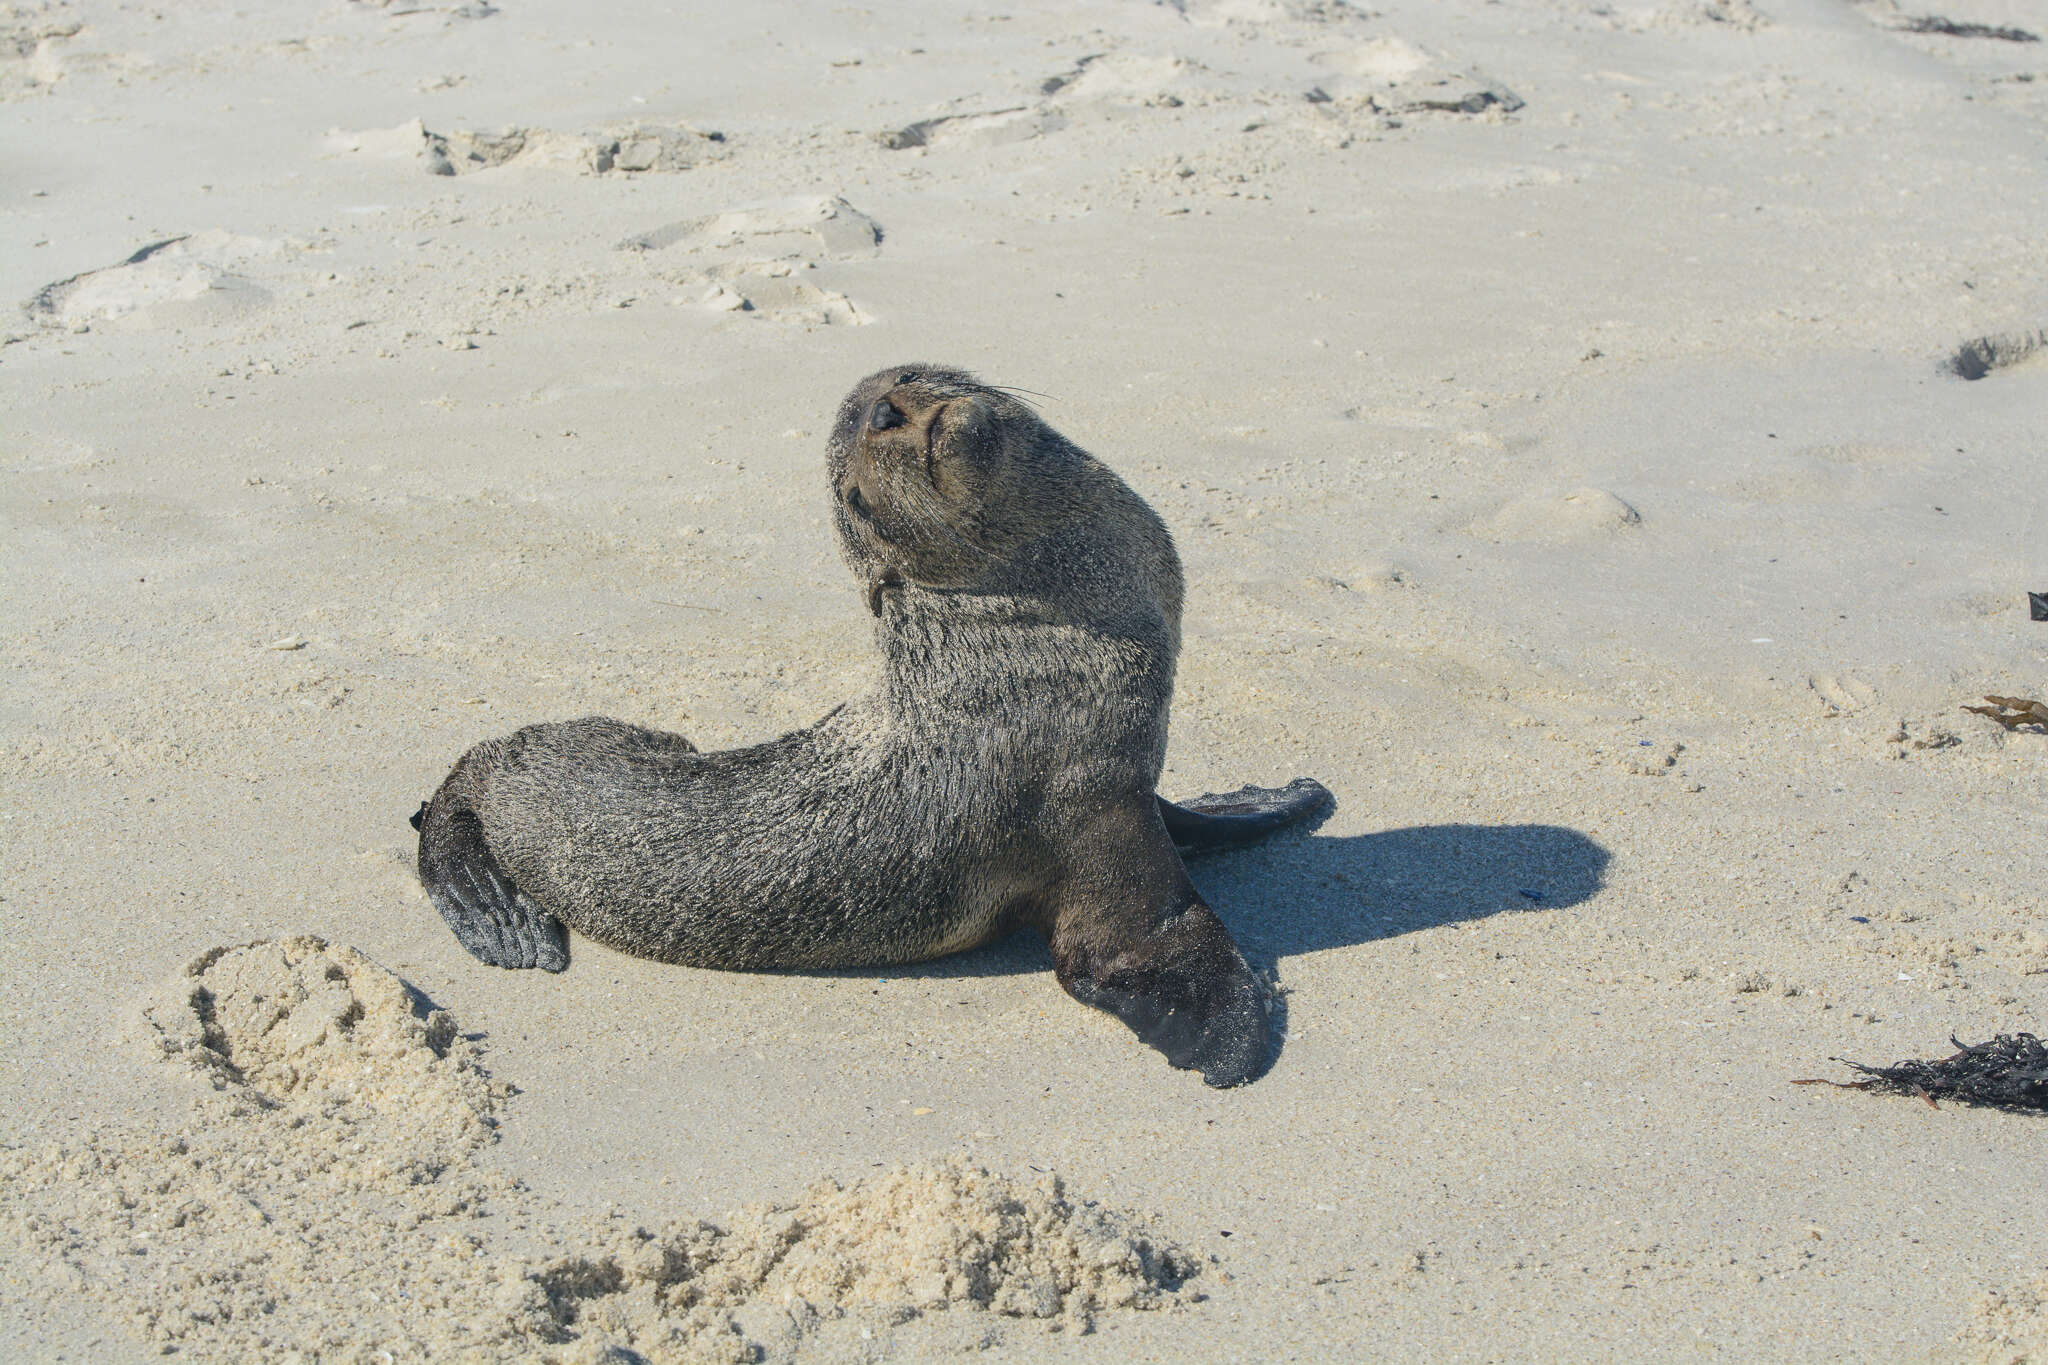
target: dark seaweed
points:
(1949, 28)
(2013, 712)
(2010, 1072)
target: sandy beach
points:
(1605, 444)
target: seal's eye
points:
(906, 379)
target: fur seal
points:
(1027, 606)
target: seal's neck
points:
(975, 663)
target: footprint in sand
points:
(773, 293)
(1583, 516)
(1840, 694)
(1118, 78)
(632, 148)
(1737, 16)
(1837, 473)
(1374, 576)
(298, 1017)
(1099, 81)
(1377, 62)
(1018, 123)
(1259, 13)
(1888, 14)
(40, 45)
(182, 281)
(753, 257)
(32, 49)
(404, 15)
(818, 225)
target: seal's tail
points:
(492, 917)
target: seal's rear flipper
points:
(1245, 816)
(495, 920)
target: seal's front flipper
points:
(495, 920)
(1130, 936)
(1247, 815)
(1187, 991)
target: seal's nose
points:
(885, 415)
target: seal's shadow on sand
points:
(1301, 893)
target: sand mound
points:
(631, 147)
(1390, 75)
(326, 1033)
(327, 1199)
(811, 226)
(182, 281)
(1385, 59)
(1583, 515)
(753, 254)
(948, 1235)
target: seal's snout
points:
(885, 416)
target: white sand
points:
(1556, 406)
(324, 1198)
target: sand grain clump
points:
(2010, 1327)
(326, 1198)
(1581, 516)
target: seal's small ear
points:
(419, 815)
(879, 582)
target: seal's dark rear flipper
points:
(495, 920)
(1233, 819)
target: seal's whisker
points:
(1026, 395)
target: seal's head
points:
(936, 478)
